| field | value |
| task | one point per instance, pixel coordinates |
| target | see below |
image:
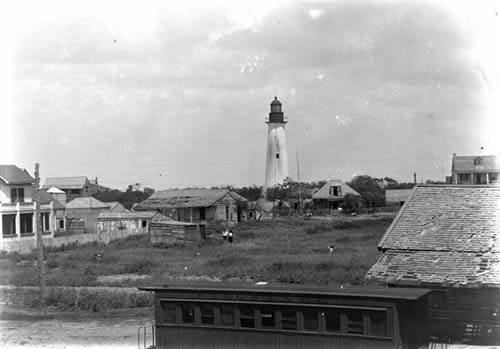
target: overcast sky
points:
(175, 96)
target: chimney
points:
(96, 181)
(415, 178)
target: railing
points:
(148, 332)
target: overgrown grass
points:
(292, 250)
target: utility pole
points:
(39, 242)
(298, 178)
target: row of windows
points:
(255, 316)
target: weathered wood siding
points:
(169, 234)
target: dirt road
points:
(21, 328)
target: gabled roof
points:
(65, 182)
(324, 192)
(178, 198)
(86, 202)
(466, 163)
(444, 234)
(11, 174)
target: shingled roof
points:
(324, 191)
(65, 182)
(179, 198)
(466, 164)
(11, 174)
(444, 235)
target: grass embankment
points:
(292, 250)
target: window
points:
(288, 319)
(226, 315)
(477, 161)
(310, 320)
(335, 190)
(493, 177)
(277, 155)
(202, 213)
(332, 320)
(168, 311)
(378, 325)
(268, 317)
(144, 224)
(187, 313)
(227, 213)
(17, 195)
(26, 223)
(61, 223)
(45, 217)
(354, 320)
(9, 224)
(247, 316)
(207, 314)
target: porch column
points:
(191, 214)
(487, 178)
(64, 220)
(18, 222)
(35, 221)
(52, 220)
(455, 178)
(1, 227)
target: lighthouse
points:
(277, 154)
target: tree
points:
(351, 203)
(372, 195)
(251, 193)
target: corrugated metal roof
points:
(178, 198)
(65, 182)
(86, 202)
(484, 163)
(11, 174)
(447, 227)
(324, 192)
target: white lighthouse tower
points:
(277, 154)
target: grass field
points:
(292, 250)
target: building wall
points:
(450, 309)
(88, 215)
(5, 192)
(139, 226)
(171, 234)
(276, 169)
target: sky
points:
(176, 94)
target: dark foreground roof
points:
(443, 235)
(286, 289)
(11, 174)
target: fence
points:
(28, 244)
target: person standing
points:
(225, 234)
(230, 236)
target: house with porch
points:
(476, 170)
(197, 205)
(331, 195)
(447, 238)
(17, 208)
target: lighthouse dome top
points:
(275, 101)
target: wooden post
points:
(39, 241)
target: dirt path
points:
(21, 328)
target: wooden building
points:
(475, 170)
(197, 205)
(175, 232)
(331, 195)
(447, 237)
(232, 315)
(86, 209)
(136, 222)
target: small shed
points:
(136, 222)
(175, 232)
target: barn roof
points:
(86, 202)
(443, 234)
(178, 198)
(11, 174)
(324, 191)
(484, 163)
(65, 182)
